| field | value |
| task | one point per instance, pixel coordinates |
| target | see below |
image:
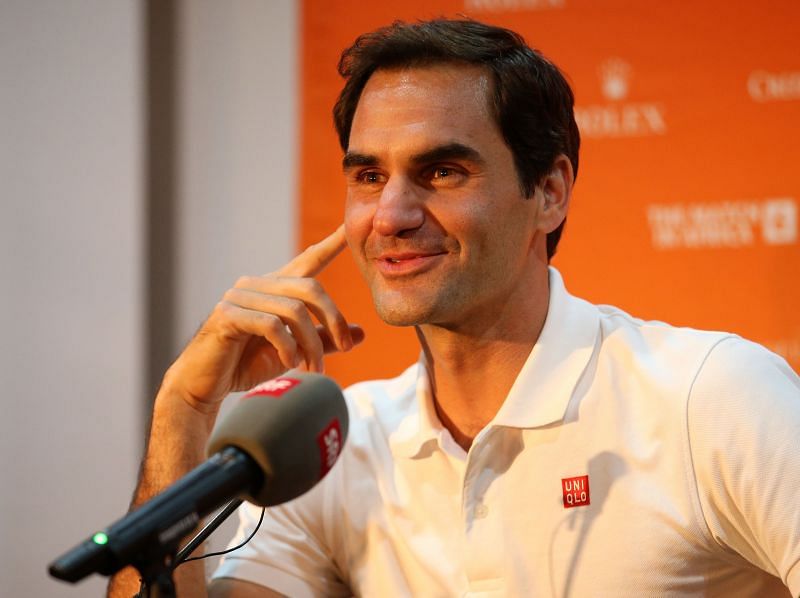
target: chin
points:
(399, 318)
(402, 313)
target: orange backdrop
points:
(686, 207)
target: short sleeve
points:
(288, 553)
(744, 433)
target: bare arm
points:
(262, 327)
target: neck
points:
(472, 368)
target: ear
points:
(556, 191)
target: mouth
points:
(406, 263)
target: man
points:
(542, 445)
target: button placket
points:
(482, 566)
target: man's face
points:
(435, 216)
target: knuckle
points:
(296, 310)
(243, 282)
(312, 287)
(311, 249)
(221, 316)
(224, 308)
(272, 323)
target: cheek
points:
(358, 218)
(501, 228)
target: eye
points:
(369, 177)
(445, 175)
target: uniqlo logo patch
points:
(576, 491)
(330, 445)
(273, 388)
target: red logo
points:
(273, 388)
(576, 491)
(330, 445)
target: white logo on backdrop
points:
(725, 224)
(771, 87)
(500, 5)
(615, 76)
(615, 119)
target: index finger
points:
(316, 257)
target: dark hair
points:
(531, 99)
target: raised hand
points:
(264, 326)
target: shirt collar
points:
(421, 425)
(544, 386)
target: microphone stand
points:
(156, 571)
(204, 533)
(157, 581)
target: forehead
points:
(423, 106)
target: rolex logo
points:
(614, 75)
(616, 117)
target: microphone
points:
(276, 444)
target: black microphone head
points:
(293, 426)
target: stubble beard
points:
(427, 303)
(397, 309)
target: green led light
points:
(100, 538)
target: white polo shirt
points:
(630, 458)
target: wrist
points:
(174, 385)
(175, 404)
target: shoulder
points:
(670, 357)
(743, 364)
(709, 370)
(746, 385)
(742, 418)
(620, 330)
(744, 400)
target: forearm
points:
(178, 436)
(179, 432)
(262, 327)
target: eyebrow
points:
(353, 159)
(449, 151)
(440, 153)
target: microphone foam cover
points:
(294, 428)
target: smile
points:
(405, 264)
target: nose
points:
(400, 208)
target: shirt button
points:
(481, 511)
